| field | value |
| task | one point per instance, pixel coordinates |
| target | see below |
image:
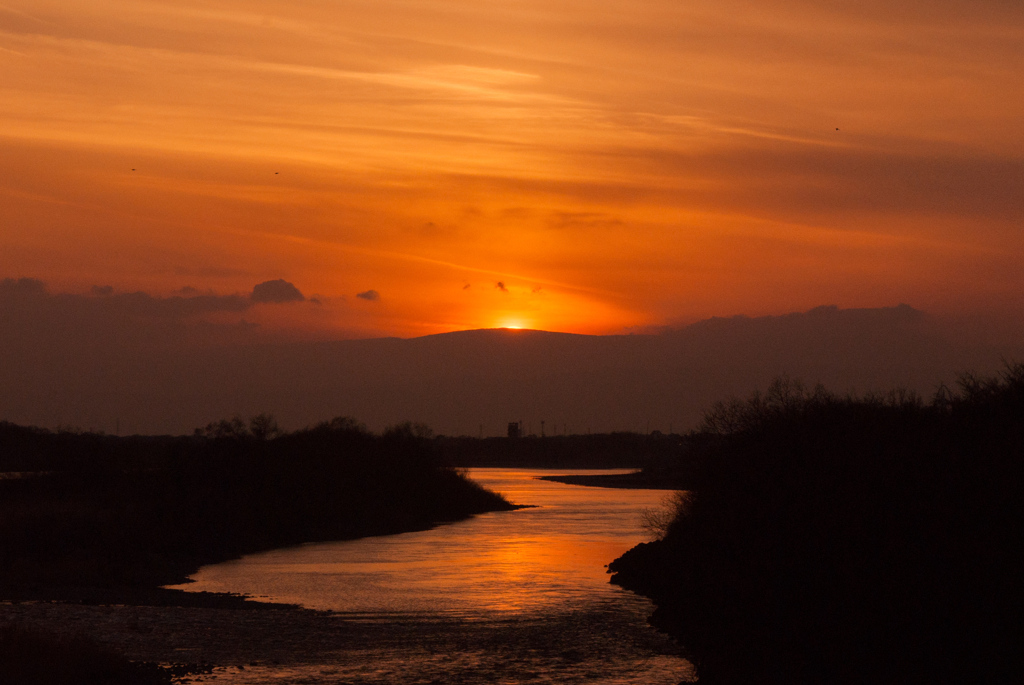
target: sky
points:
(411, 167)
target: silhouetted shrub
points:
(848, 540)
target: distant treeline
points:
(606, 450)
(36, 449)
(829, 539)
(88, 510)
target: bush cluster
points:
(829, 539)
(101, 511)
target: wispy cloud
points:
(611, 153)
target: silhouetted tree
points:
(263, 426)
(409, 429)
(234, 428)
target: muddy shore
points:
(284, 644)
(642, 480)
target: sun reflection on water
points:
(532, 582)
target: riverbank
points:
(319, 648)
(30, 656)
(585, 451)
(97, 525)
(120, 517)
(847, 540)
(199, 637)
(647, 479)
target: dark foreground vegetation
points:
(29, 657)
(837, 540)
(92, 516)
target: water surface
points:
(520, 596)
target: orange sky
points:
(612, 163)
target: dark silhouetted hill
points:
(125, 363)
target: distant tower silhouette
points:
(515, 429)
(542, 429)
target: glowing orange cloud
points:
(613, 165)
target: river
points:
(505, 597)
